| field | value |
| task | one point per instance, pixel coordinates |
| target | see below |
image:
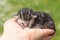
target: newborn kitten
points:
(28, 18)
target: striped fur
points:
(38, 19)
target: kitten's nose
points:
(26, 24)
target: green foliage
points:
(8, 8)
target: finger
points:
(41, 33)
(47, 38)
(47, 32)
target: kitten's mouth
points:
(24, 25)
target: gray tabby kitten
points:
(28, 18)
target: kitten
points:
(28, 18)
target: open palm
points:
(12, 31)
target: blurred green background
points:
(8, 8)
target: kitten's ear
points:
(16, 16)
(33, 16)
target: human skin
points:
(13, 31)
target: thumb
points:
(11, 24)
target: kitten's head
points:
(26, 16)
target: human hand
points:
(13, 31)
